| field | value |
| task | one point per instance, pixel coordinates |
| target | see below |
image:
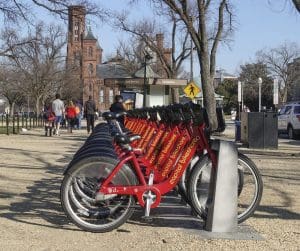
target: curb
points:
(268, 152)
(291, 152)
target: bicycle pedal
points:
(147, 219)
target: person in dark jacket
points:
(117, 107)
(89, 113)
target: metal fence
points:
(14, 124)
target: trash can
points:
(259, 129)
(237, 130)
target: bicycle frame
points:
(198, 141)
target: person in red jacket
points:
(71, 115)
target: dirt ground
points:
(31, 218)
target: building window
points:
(90, 88)
(111, 96)
(90, 69)
(77, 58)
(101, 96)
(76, 31)
(90, 51)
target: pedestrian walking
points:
(89, 113)
(58, 109)
(71, 115)
(49, 118)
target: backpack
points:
(49, 115)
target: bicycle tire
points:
(202, 171)
(103, 216)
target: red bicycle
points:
(100, 193)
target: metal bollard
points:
(222, 198)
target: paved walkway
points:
(31, 218)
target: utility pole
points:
(192, 63)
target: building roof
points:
(89, 35)
(111, 71)
(149, 73)
(98, 46)
(224, 75)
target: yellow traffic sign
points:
(191, 90)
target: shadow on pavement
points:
(40, 204)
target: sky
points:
(259, 24)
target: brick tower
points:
(83, 53)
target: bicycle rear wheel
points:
(250, 187)
(78, 195)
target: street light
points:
(146, 59)
(259, 93)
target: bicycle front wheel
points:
(78, 195)
(250, 187)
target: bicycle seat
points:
(126, 139)
(108, 115)
(120, 114)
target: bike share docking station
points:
(222, 197)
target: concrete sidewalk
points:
(31, 216)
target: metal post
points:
(28, 105)
(13, 121)
(147, 58)
(192, 72)
(259, 94)
(7, 124)
(242, 92)
(239, 98)
(144, 86)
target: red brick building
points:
(104, 80)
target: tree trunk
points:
(175, 95)
(297, 4)
(11, 108)
(205, 64)
(208, 92)
(285, 95)
(37, 106)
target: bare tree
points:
(146, 31)
(40, 62)
(10, 87)
(128, 54)
(277, 61)
(249, 74)
(208, 22)
(20, 10)
(296, 4)
(279, 6)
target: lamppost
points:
(259, 80)
(146, 59)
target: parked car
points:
(289, 119)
